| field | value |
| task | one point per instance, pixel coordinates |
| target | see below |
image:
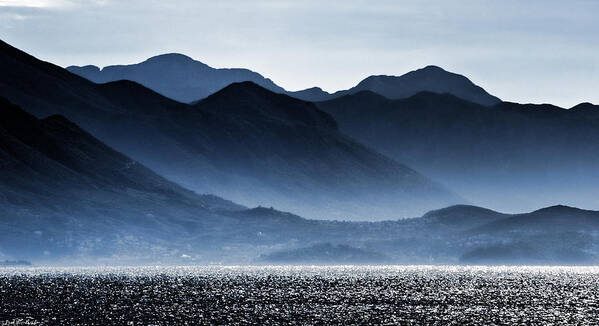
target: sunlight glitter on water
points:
(411, 295)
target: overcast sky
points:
(524, 51)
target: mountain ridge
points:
(216, 146)
(490, 154)
(190, 80)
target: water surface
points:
(269, 295)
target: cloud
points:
(49, 4)
(32, 3)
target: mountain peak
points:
(240, 89)
(432, 68)
(585, 106)
(461, 215)
(171, 57)
(467, 210)
(558, 209)
(84, 69)
(430, 78)
(252, 100)
(245, 85)
(176, 76)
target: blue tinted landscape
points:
(145, 182)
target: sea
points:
(300, 295)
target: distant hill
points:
(553, 235)
(428, 79)
(462, 216)
(244, 143)
(186, 80)
(509, 156)
(175, 76)
(473, 235)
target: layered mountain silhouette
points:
(428, 79)
(68, 198)
(243, 143)
(186, 80)
(508, 156)
(456, 234)
(61, 188)
(74, 186)
(469, 234)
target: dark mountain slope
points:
(509, 156)
(297, 143)
(61, 188)
(243, 143)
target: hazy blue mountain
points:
(552, 235)
(243, 143)
(508, 156)
(428, 79)
(461, 217)
(175, 76)
(557, 218)
(67, 198)
(186, 80)
(63, 192)
(313, 94)
(457, 234)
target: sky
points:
(522, 51)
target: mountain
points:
(457, 234)
(428, 79)
(552, 235)
(183, 79)
(305, 159)
(67, 198)
(243, 143)
(509, 156)
(314, 94)
(559, 218)
(63, 192)
(461, 216)
(186, 80)
(175, 76)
